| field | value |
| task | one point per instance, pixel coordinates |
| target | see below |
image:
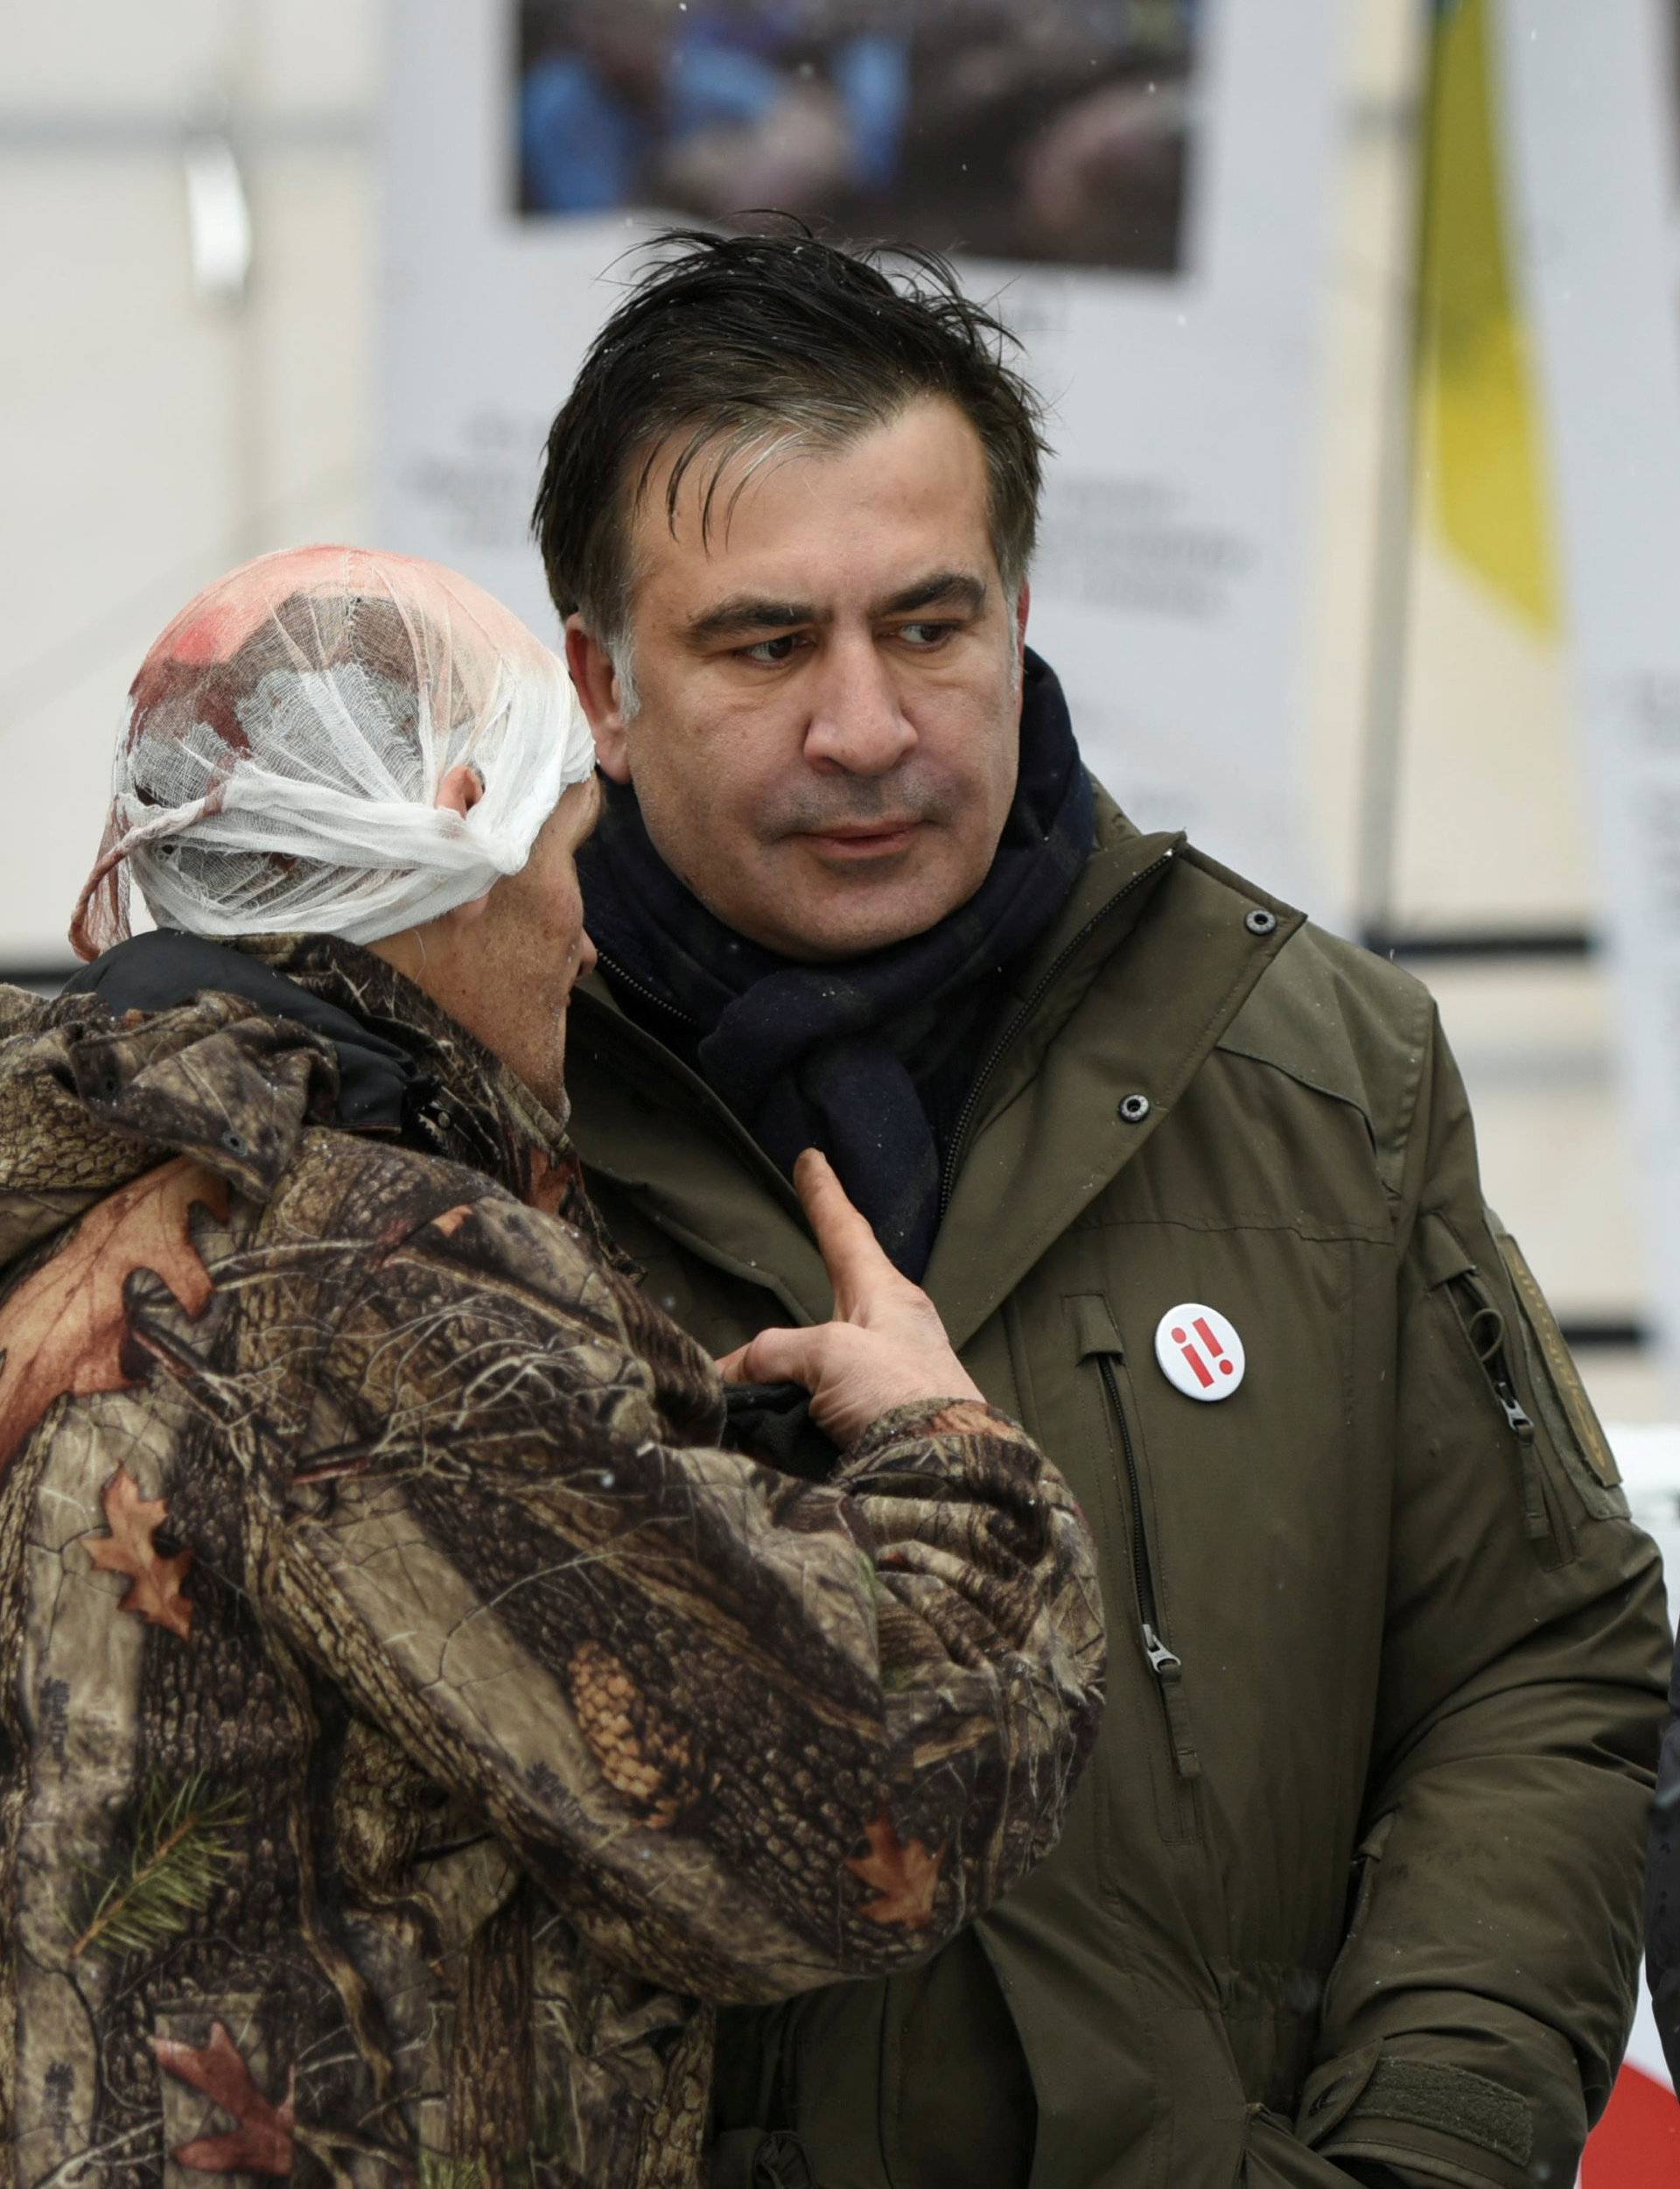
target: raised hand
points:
(885, 1346)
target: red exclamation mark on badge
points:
(1226, 1365)
(1199, 1367)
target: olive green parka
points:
(1353, 1880)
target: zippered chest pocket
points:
(1134, 1562)
(1494, 1336)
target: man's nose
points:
(858, 723)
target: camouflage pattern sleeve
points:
(752, 1733)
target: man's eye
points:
(923, 637)
(769, 651)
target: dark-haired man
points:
(1351, 1893)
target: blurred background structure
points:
(219, 303)
(192, 376)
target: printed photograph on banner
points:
(1062, 133)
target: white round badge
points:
(1200, 1351)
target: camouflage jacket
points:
(413, 1721)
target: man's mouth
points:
(862, 840)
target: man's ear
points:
(597, 684)
(461, 788)
(459, 791)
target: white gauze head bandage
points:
(278, 766)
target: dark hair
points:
(743, 340)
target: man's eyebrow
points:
(731, 619)
(744, 612)
(945, 589)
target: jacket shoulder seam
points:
(1305, 1022)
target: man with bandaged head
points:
(419, 1708)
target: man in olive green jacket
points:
(1351, 1890)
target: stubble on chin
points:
(545, 1073)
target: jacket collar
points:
(158, 1038)
(378, 1078)
(462, 1102)
(643, 1119)
(1149, 961)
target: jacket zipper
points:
(618, 976)
(1542, 1520)
(1163, 1662)
(1022, 1019)
(1493, 1355)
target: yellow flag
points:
(1481, 447)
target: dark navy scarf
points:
(867, 1059)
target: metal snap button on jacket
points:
(1135, 1108)
(1260, 921)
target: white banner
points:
(1593, 133)
(1151, 182)
(1591, 129)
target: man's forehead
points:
(726, 497)
(824, 529)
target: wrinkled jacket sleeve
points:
(1663, 1888)
(1476, 2016)
(753, 1733)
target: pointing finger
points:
(857, 1264)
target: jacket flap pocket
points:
(1441, 1255)
(1094, 1335)
(1478, 1296)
